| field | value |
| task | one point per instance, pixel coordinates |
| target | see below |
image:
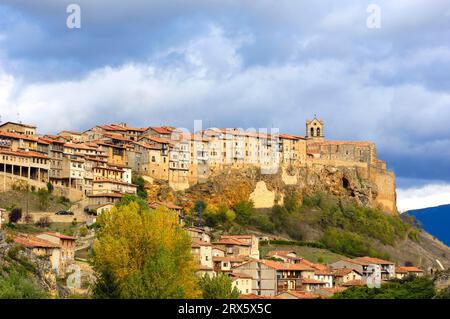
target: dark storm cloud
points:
(234, 63)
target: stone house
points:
(344, 275)
(361, 264)
(43, 248)
(401, 272)
(271, 278)
(66, 245)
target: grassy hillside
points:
(338, 226)
(32, 201)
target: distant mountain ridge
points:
(435, 220)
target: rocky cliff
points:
(364, 186)
(14, 258)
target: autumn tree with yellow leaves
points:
(142, 253)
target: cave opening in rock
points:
(345, 183)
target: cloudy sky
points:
(242, 64)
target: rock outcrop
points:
(360, 185)
(40, 270)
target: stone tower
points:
(314, 129)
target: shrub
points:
(345, 243)
(140, 183)
(15, 215)
(50, 188)
(44, 222)
(19, 286)
(244, 211)
(83, 231)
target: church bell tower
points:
(314, 129)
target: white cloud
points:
(422, 197)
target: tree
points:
(17, 285)
(15, 215)
(408, 288)
(140, 253)
(50, 188)
(244, 211)
(140, 183)
(218, 287)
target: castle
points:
(97, 164)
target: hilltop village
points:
(96, 168)
(97, 164)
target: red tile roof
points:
(285, 266)
(340, 272)
(312, 281)
(406, 269)
(34, 242)
(24, 153)
(370, 260)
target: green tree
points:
(140, 183)
(50, 188)
(408, 288)
(17, 285)
(244, 212)
(218, 287)
(141, 253)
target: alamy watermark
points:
(73, 20)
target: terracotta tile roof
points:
(18, 136)
(24, 153)
(18, 124)
(116, 195)
(285, 266)
(406, 269)
(312, 281)
(156, 139)
(162, 129)
(292, 137)
(112, 127)
(370, 260)
(34, 242)
(237, 259)
(198, 243)
(242, 276)
(324, 272)
(230, 241)
(340, 272)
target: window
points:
(318, 131)
(312, 131)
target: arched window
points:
(312, 131)
(318, 131)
